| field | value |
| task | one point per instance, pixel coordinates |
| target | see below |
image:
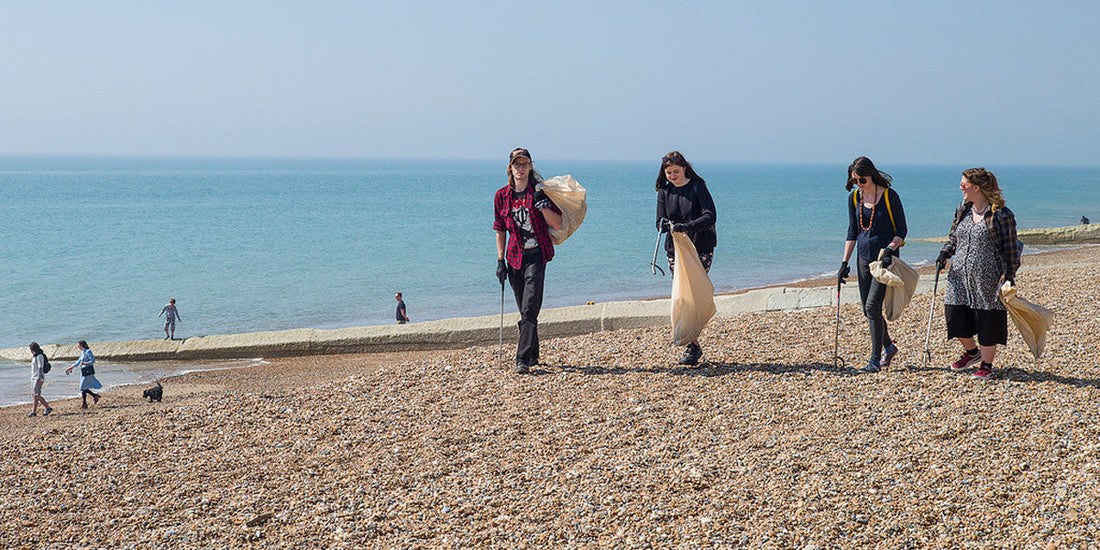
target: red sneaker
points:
(985, 371)
(965, 361)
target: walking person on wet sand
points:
(876, 225)
(684, 205)
(986, 251)
(38, 378)
(88, 381)
(522, 218)
(170, 319)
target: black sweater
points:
(692, 206)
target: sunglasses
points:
(859, 180)
(672, 158)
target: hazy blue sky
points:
(914, 82)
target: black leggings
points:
(871, 293)
(527, 286)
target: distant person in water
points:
(402, 318)
(170, 319)
(88, 381)
(1084, 220)
(38, 378)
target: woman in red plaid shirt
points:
(520, 218)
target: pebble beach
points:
(607, 444)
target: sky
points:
(931, 82)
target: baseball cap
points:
(518, 152)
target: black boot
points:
(692, 355)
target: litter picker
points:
(931, 310)
(653, 265)
(838, 361)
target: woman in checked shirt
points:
(986, 252)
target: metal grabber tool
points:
(838, 361)
(931, 310)
(653, 265)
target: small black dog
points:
(154, 394)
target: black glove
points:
(502, 271)
(941, 261)
(679, 228)
(541, 200)
(887, 257)
(664, 226)
(843, 273)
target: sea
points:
(91, 248)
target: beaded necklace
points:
(871, 220)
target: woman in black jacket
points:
(684, 205)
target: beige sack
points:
(1032, 320)
(692, 293)
(569, 197)
(901, 282)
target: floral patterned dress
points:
(975, 275)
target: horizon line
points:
(169, 156)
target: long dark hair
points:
(674, 157)
(863, 167)
(36, 349)
(83, 344)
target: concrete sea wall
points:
(443, 334)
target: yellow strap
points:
(889, 211)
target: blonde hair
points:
(987, 182)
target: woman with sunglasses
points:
(684, 205)
(983, 242)
(876, 225)
(520, 217)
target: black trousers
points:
(527, 286)
(872, 293)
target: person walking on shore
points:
(986, 251)
(402, 318)
(88, 381)
(684, 205)
(521, 217)
(876, 226)
(38, 378)
(170, 319)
